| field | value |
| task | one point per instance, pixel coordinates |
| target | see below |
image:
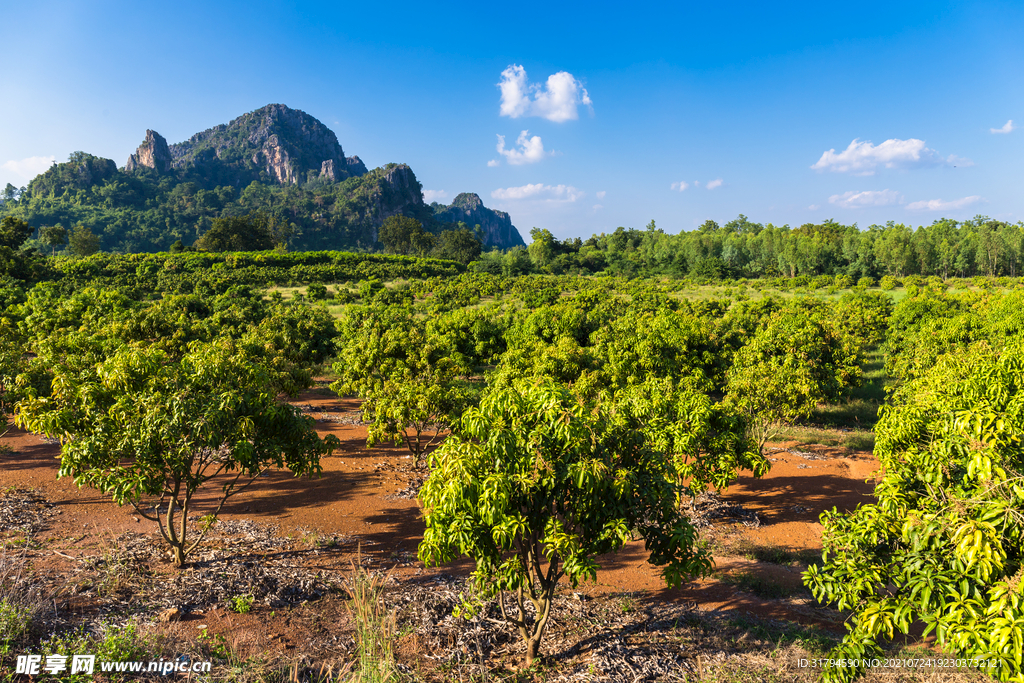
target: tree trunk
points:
(178, 554)
(532, 649)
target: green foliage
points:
(15, 624)
(242, 604)
(457, 245)
(255, 231)
(113, 643)
(943, 543)
(791, 364)
(911, 342)
(14, 232)
(197, 272)
(404, 235)
(82, 241)
(536, 483)
(863, 315)
(317, 291)
(410, 377)
(152, 429)
(53, 236)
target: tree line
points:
(744, 249)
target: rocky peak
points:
(152, 153)
(275, 142)
(467, 201)
(356, 167)
(401, 180)
(327, 170)
(496, 226)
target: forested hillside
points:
(277, 161)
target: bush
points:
(888, 283)
(316, 291)
(942, 544)
(536, 484)
(369, 288)
(844, 281)
(242, 604)
(866, 282)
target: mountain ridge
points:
(274, 159)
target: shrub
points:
(316, 291)
(536, 484)
(942, 544)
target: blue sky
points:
(862, 112)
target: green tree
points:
(151, 430)
(254, 231)
(535, 484)
(82, 241)
(792, 363)
(400, 233)
(542, 248)
(942, 544)
(14, 232)
(53, 236)
(516, 262)
(457, 245)
(411, 380)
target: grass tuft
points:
(375, 627)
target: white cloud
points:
(430, 196)
(858, 200)
(601, 194)
(813, 207)
(557, 100)
(551, 193)
(492, 163)
(680, 186)
(1007, 128)
(531, 150)
(940, 205)
(863, 157)
(598, 207)
(717, 182)
(28, 168)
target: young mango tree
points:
(152, 431)
(792, 363)
(943, 543)
(535, 484)
(411, 379)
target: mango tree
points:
(536, 483)
(792, 363)
(153, 431)
(943, 543)
(411, 379)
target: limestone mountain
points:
(152, 153)
(276, 160)
(468, 208)
(274, 143)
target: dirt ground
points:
(364, 508)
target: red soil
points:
(355, 499)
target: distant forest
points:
(744, 249)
